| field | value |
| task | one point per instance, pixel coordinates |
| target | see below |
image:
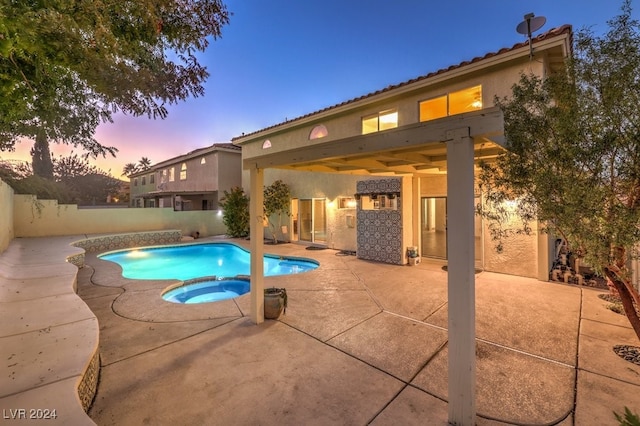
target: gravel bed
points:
(628, 353)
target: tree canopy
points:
(131, 168)
(75, 181)
(65, 67)
(277, 198)
(573, 153)
(87, 184)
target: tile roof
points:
(191, 154)
(554, 32)
(227, 145)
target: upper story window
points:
(152, 178)
(266, 144)
(170, 174)
(135, 181)
(144, 180)
(183, 171)
(383, 120)
(464, 100)
(203, 160)
(320, 131)
(347, 203)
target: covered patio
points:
(452, 145)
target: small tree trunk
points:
(619, 267)
(626, 297)
(272, 227)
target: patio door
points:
(433, 227)
(310, 222)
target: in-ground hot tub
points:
(204, 290)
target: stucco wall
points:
(409, 221)
(307, 185)
(45, 218)
(496, 81)
(6, 215)
(520, 252)
(229, 166)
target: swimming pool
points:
(191, 261)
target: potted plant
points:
(275, 302)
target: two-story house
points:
(371, 174)
(193, 181)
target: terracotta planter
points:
(275, 302)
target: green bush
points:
(235, 205)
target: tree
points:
(144, 163)
(573, 154)
(140, 166)
(235, 205)
(277, 197)
(65, 67)
(86, 182)
(20, 177)
(16, 168)
(129, 169)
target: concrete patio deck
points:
(48, 335)
(361, 343)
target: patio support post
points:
(256, 232)
(461, 279)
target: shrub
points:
(235, 205)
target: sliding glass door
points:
(433, 223)
(311, 220)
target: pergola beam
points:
(417, 136)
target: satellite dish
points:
(530, 24)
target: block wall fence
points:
(27, 216)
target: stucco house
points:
(371, 175)
(193, 181)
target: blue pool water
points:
(199, 260)
(207, 291)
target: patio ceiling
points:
(415, 149)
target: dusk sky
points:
(281, 59)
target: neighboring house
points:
(194, 181)
(122, 194)
(370, 175)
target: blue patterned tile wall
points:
(379, 186)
